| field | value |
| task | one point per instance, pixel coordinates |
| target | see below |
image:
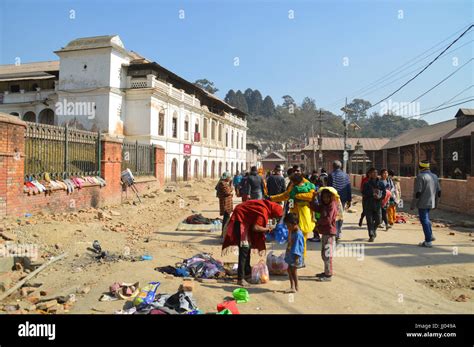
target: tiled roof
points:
(279, 157)
(431, 133)
(26, 69)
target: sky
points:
(326, 50)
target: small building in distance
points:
(273, 159)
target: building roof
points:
(36, 70)
(465, 112)
(94, 42)
(337, 143)
(274, 156)
(431, 133)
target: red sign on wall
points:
(187, 148)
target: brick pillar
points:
(110, 168)
(12, 161)
(160, 165)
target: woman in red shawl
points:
(246, 230)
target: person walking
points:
(276, 182)
(244, 187)
(394, 199)
(362, 183)
(427, 191)
(255, 182)
(389, 186)
(236, 182)
(340, 181)
(372, 195)
(224, 193)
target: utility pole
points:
(346, 154)
(314, 147)
(320, 139)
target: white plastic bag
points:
(260, 272)
(276, 264)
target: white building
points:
(98, 85)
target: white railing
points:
(30, 96)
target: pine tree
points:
(231, 98)
(241, 103)
(248, 96)
(268, 107)
(256, 102)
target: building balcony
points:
(25, 97)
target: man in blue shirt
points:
(236, 181)
(340, 181)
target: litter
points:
(260, 272)
(228, 305)
(146, 295)
(107, 297)
(276, 264)
(147, 257)
(124, 291)
(241, 295)
(201, 265)
(279, 234)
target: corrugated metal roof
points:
(431, 133)
(28, 68)
(337, 143)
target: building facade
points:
(98, 85)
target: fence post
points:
(99, 158)
(66, 132)
(441, 158)
(136, 156)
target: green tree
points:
(241, 103)
(256, 102)
(360, 107)
(207, 85)
(308, 104)
(287, 101)
(268, 107)
(231, 98)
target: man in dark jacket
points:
(340, 181)
(255, 183)
(276, 182)
(372, 195)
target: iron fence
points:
(139, 158)
(61, 151)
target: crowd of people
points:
(315, 204)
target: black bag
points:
(198, 219)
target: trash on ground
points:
(260, 272)
(241, 295)
(201, 265)
(276, 264)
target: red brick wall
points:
(14, 202)
(456, 195)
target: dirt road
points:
(391, 275)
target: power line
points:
(424, 69)
(462, 91)
(377, 88)
(444, 108)
(437, 84)
(401, 66)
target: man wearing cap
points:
(276, 182)
(426, 192)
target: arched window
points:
(161, 123)
(46, 116)
(29, 117)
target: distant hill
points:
(292, 121)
